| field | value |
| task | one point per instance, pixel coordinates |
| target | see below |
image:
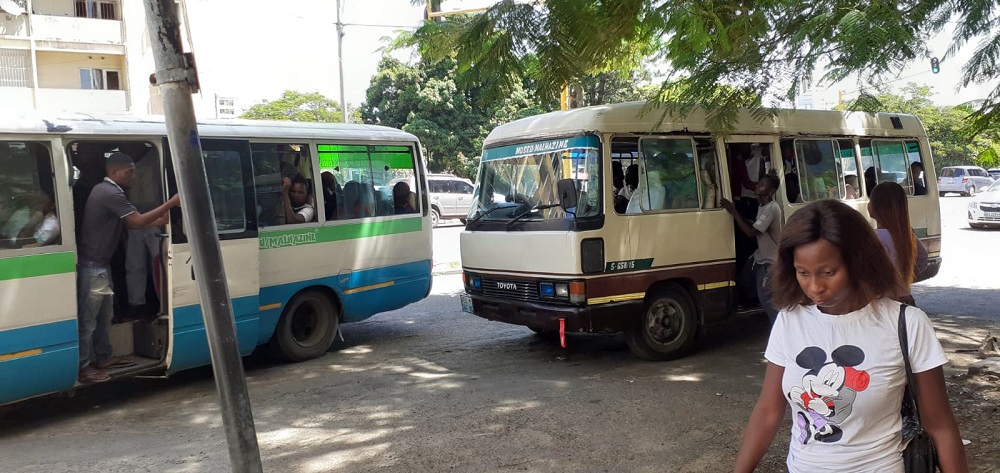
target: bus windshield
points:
(520, 181)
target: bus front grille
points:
(520, 290)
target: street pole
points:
(177, 79)
(340, 63)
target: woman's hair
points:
(868, 267)
(888, 208)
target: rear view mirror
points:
(567, 193)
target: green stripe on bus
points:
(351, 231)
(29, 266)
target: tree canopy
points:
(452, 118)
(725, 54)
(298, 106)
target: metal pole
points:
(176, 79)
(340, 63)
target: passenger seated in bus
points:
(681, 185)
(917, 173)
(871, 179)
(401, 198)
(617, 176)
(792, 188)
(331, 188)
(296, 199)
(648, 195)
(21, 218)
(625, 193)
(46, 231)
(356, 201)
(852, 190)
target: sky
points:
(255, 49)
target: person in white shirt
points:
(296, 199)
(834, 354)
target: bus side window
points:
(820, 172)
(28, 216)
(273, 162)
(668, 178)
(708, 174)
(391, 165)
(849, 167)
(350, 165)
(918, 174)
(893, 162)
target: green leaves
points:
(296, 106)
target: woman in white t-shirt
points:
(834, 354)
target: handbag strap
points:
(908, 394)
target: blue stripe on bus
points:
(410, 282)
(190, 344)
(54, 369)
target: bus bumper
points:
(933, 266)
(604, 318)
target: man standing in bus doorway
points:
(767, 230)
(106, 214)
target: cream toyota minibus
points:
(547, 247)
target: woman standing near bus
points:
(834, 355)
(892, 217)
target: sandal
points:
(92, 375)
(115, 362)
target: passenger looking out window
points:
(624, 195)
(297, 207)
(403, 199)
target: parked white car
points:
(984, 210)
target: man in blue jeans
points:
(767, 230)
(105, 216)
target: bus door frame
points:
(187, 346)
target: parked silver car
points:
(451, 197)
(984, 210)
(965, 180)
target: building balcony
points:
(64, 29)
(13, 26)
(70, 100)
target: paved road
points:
(428, 388)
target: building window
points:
(95, 9)
(15, 68)
(99, 79)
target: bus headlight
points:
(546, 289)
(562, 290)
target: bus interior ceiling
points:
(137, 331)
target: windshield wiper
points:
(526, 212)
(487, 212)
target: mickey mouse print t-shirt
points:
(844, 378)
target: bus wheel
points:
(667, 327)
(306, 327)
(435, 217)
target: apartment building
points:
(82, 56)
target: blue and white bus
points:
(291, 284)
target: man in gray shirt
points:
(105, 216)
(767, 230)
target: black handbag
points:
(920, 455)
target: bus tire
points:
(306, 327)
(435, 217)
(667, 327)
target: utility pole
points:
(176, 79)
(340, 63)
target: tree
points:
(451, 121)
(299, 107)
(759, 51)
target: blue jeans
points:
(95, 309)
(763, 295)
